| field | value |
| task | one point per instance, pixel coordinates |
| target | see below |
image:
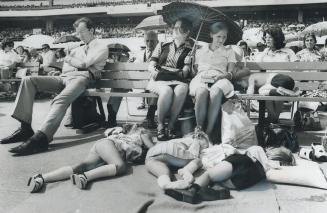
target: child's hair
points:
(202, 138)
(134, 129)
(281, 154)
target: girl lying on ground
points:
(176, 153)
(234, 170)
(106, 158)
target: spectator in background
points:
(20, 50)
(310, 52)
(113, 103)
(151, 41)
(48, 57)
(8, 61)
(246, 49)
(323, 51)
(35, 56)
(275, 52)
(8, 57)
(26, 56)
(60, 55)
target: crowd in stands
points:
(37, 4)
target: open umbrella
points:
(202, 17)
(117, 47)
(152, 23)
(36, 41)
(319, 29)
(66, 39)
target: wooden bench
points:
(307, 78)
(33, 69)
(123, 77)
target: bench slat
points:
(129, 75)
(285, 65)
(305, 86)
(126, 66)
(280, 98)
(139, 84)
(309, 76)
(118, 94)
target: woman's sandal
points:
(36, 183)
(306, 153)
(79, 180)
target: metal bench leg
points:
(99, 101)
(248, 107)
(261, 122)
(294, 108)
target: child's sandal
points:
(36, 183)
(79, 180)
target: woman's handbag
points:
(166, 75)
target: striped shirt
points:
(173, 55)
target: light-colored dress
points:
(307, 55)
(213, 63)
(129, 146)
(281, 55)
(182, 148)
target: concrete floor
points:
(69, 148)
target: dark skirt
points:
(245, 173)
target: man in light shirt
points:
(82, 66)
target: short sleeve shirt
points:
(281, 55)
(217, 60)
(306, 55)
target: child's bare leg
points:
(160, 170)
(106, 151)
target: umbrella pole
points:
(197, 37)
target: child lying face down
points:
(271, 84)
(237, 169)
(107, 158)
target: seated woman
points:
(275, 52)
(237, 170)
(310, 51)
(176, 153)
(106, 159)
(214, 64)
(169, 71)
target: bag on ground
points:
(276, 136)
(236, 128)
(84, 112)
(306, 119)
